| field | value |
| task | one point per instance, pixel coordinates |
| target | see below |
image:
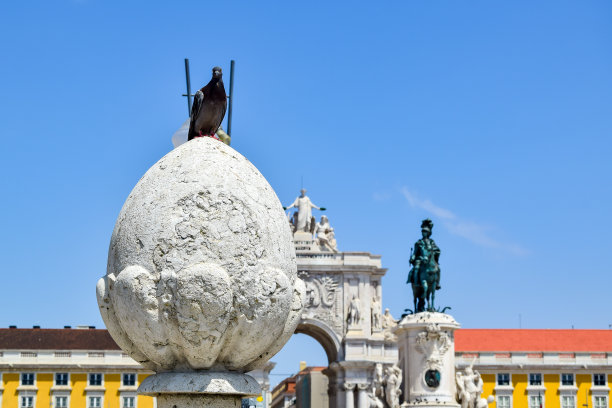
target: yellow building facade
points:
(84, 368)
(67, 368)
(540, 368)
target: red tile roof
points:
(554, 340)
(56, 339)
(466, 340)
(287, 386)
(310, 369)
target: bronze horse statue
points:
(424, 283)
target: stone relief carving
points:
(354, 312)
(321, 295)
(469, 389)
(320, 291)
(393, 381)
(388, 324)
(433, 343)
(375, 313)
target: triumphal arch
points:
(343, 309)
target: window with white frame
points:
(535, 379)
(129, 379)
(567, 379)
(27, 401)
(503, 379)
(95, 379)
(568, 401)
(61, 378)
(61, 402)
(503, 401)
(536, 401)
(27, 378)
(95, 402)
(599, 379)
(600, 401)
(129, 402)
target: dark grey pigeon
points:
(208, 110)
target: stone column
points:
(427, 359)
(335, 385)
(350, 395)
(363, 397)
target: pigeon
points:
(208, 110)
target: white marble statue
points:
(325, 235)
(376, 315)
(378, 389)
(393, 381)
(354, 314)
(388, 324)
(373, 400)
(304, 212)
(469, 389)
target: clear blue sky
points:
(492, 118)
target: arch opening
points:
(324, 335)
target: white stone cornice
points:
(61, 388)
(33, 388)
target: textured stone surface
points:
(198, 401)
(201, 267)
(200, 383)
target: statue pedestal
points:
(199, 389)
(427, 359)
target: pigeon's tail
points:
(180, 136)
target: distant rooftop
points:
(466, 340)
(541, 340)
(287, 386)
(56, 339)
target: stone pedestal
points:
(200, 389)
(427, 359)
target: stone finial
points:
(202, 272)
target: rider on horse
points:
(425, 270)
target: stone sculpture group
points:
(469, 389)
(385, 392)
(302, 222)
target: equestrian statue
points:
(425, 273)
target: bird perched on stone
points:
(208, 110)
